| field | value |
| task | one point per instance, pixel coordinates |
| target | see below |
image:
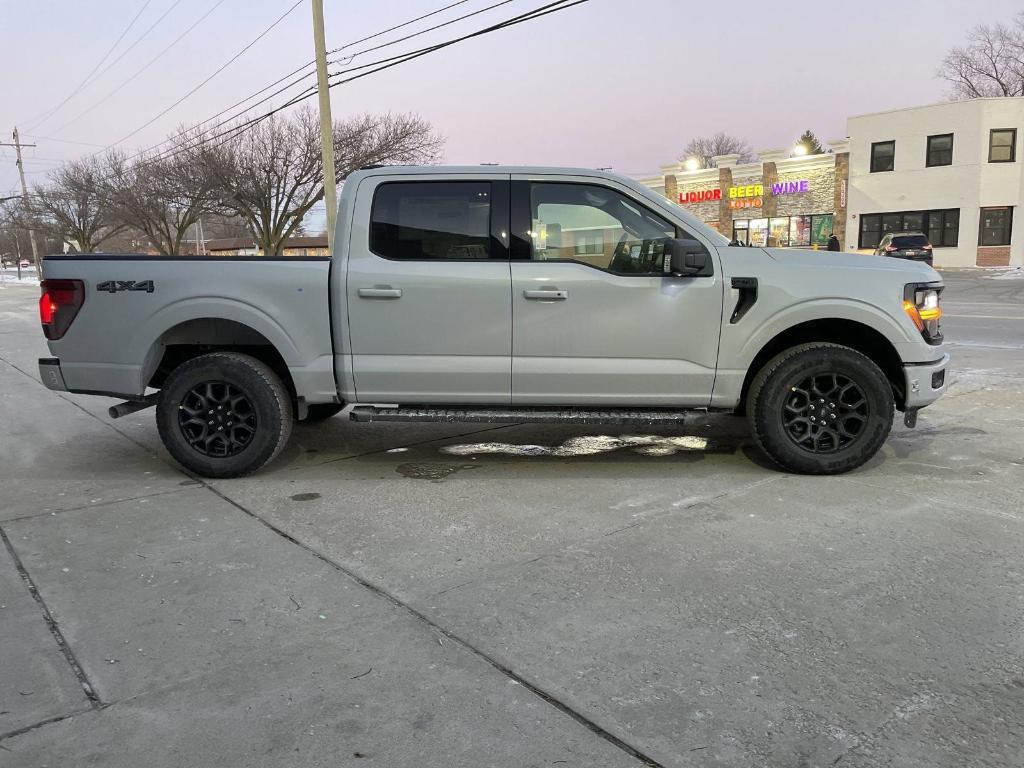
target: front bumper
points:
(925, 382)
(51, 375)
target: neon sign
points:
(790, 187)
(701, 196)
(746, 195)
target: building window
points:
(589, 243)
(778, 232)
(941, 226)
(431, 220)
(821, 228)
(799, 230)
(940, 150)
(1002, 145)
(883, 156)
(995, 226)
(740, 232)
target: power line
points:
(233, 131)
(131, 47)
(33, 122)
(536, 13)
(417, 34)
(220, 69)
(142, 69)
(308, 66)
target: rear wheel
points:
(821, 409)
(223, 414)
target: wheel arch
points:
(197, 336)
(854, 334)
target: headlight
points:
(922, 304)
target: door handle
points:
(384, 292)
(546, 295)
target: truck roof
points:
(487, 169)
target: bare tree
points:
(71, 209)
(163, 195)
(273, 173)
(991, 64)
(706, 148)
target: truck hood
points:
(914, 271)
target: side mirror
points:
(685, 257)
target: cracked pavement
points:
(523, 595)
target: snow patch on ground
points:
(10, 277)
(1002, 273)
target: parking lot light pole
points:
(326, 124)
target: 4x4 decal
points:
(113, 286)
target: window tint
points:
(431, 220)
(995, 226)
(910, 241)
(596, 226)
(883, 155)
(1002, 145)
(940, 150)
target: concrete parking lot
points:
(465, 595)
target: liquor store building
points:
(778, 201)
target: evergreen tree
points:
(810, 141)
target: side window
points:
(448, 220)
(597, 226)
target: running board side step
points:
(640, 416)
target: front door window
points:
(598, 227)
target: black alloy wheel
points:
(820, 408)
(217, 419)
(224, 414)
(825, 412)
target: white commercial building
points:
(952, 170)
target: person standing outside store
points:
(833, 242)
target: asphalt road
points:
(453, 595)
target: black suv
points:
(906, 245)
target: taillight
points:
(891, 248)
(59, 305)
(922, 305)
(927, 246)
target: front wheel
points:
(223, 414)
(821, 409)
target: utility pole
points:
(24, 196)
(326, 124)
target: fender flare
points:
(214, 308)
(821, 309)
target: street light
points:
(692, 164)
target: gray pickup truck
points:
(501, 294)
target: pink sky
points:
(607, 83)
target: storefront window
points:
(758, 229)
(740, 234)
(778, 232)
(821, 228)
(799, 230)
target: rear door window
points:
(432, 220)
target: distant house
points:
(246, 246)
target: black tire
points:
(802, 428)
(247, 406)
(321, 412)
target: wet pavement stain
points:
(304, 496)
(424, 471)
